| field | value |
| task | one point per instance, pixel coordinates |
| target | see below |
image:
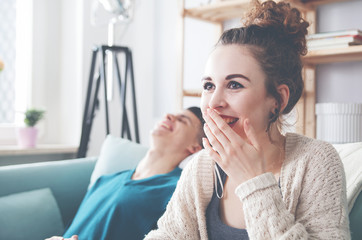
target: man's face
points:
(177, 130)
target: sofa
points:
(39, 200)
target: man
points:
(128, 204)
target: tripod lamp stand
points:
(92, 100)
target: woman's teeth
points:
(230, 120)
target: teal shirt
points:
(117, 207)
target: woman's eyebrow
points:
(206, 79)
(228, 77)
(237, 75)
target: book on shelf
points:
(349, 32)
(336, 39)
(331, 46)
(354, 40)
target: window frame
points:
(23, 77)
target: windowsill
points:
(40, 149)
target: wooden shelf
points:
(221, 11)
(348, 54)
(192, 93)
(314, 3)
(218, 11)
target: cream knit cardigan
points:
(310, 203)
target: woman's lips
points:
(230, 120)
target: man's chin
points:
(158, 132)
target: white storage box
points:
(339, 122)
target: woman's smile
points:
(229, 120)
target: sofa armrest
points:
(68, 180)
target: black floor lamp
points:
(92, 101)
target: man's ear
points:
(283, 91)
(194, 148)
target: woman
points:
(251, 181)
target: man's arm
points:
(184, 217)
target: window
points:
(7, 55)
(15, 52)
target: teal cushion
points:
(117, 154)
(30, 215)
(355, 219)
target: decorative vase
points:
(27, 137)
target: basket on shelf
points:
(339, 122)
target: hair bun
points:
(284, 20)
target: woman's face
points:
(234, 86)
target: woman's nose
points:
(217, 100)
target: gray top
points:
(216, 229)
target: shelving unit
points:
(220, 11)
(352, 53)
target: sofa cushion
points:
(30, 215)
(117, 154)
(351, 156)
(355, 218)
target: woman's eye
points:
(235, 85)
(208, 86)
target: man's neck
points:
(157, 161)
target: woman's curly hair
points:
(275, 34)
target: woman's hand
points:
(240, 159)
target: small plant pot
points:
(27, 137)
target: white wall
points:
(46, 62)
(56, 72)
(140, 38)
(199, 38)
(64, 38)
(71, 74)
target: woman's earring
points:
(272, 118)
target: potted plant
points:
(1, 65)
(27, 136)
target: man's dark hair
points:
(197, 112)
